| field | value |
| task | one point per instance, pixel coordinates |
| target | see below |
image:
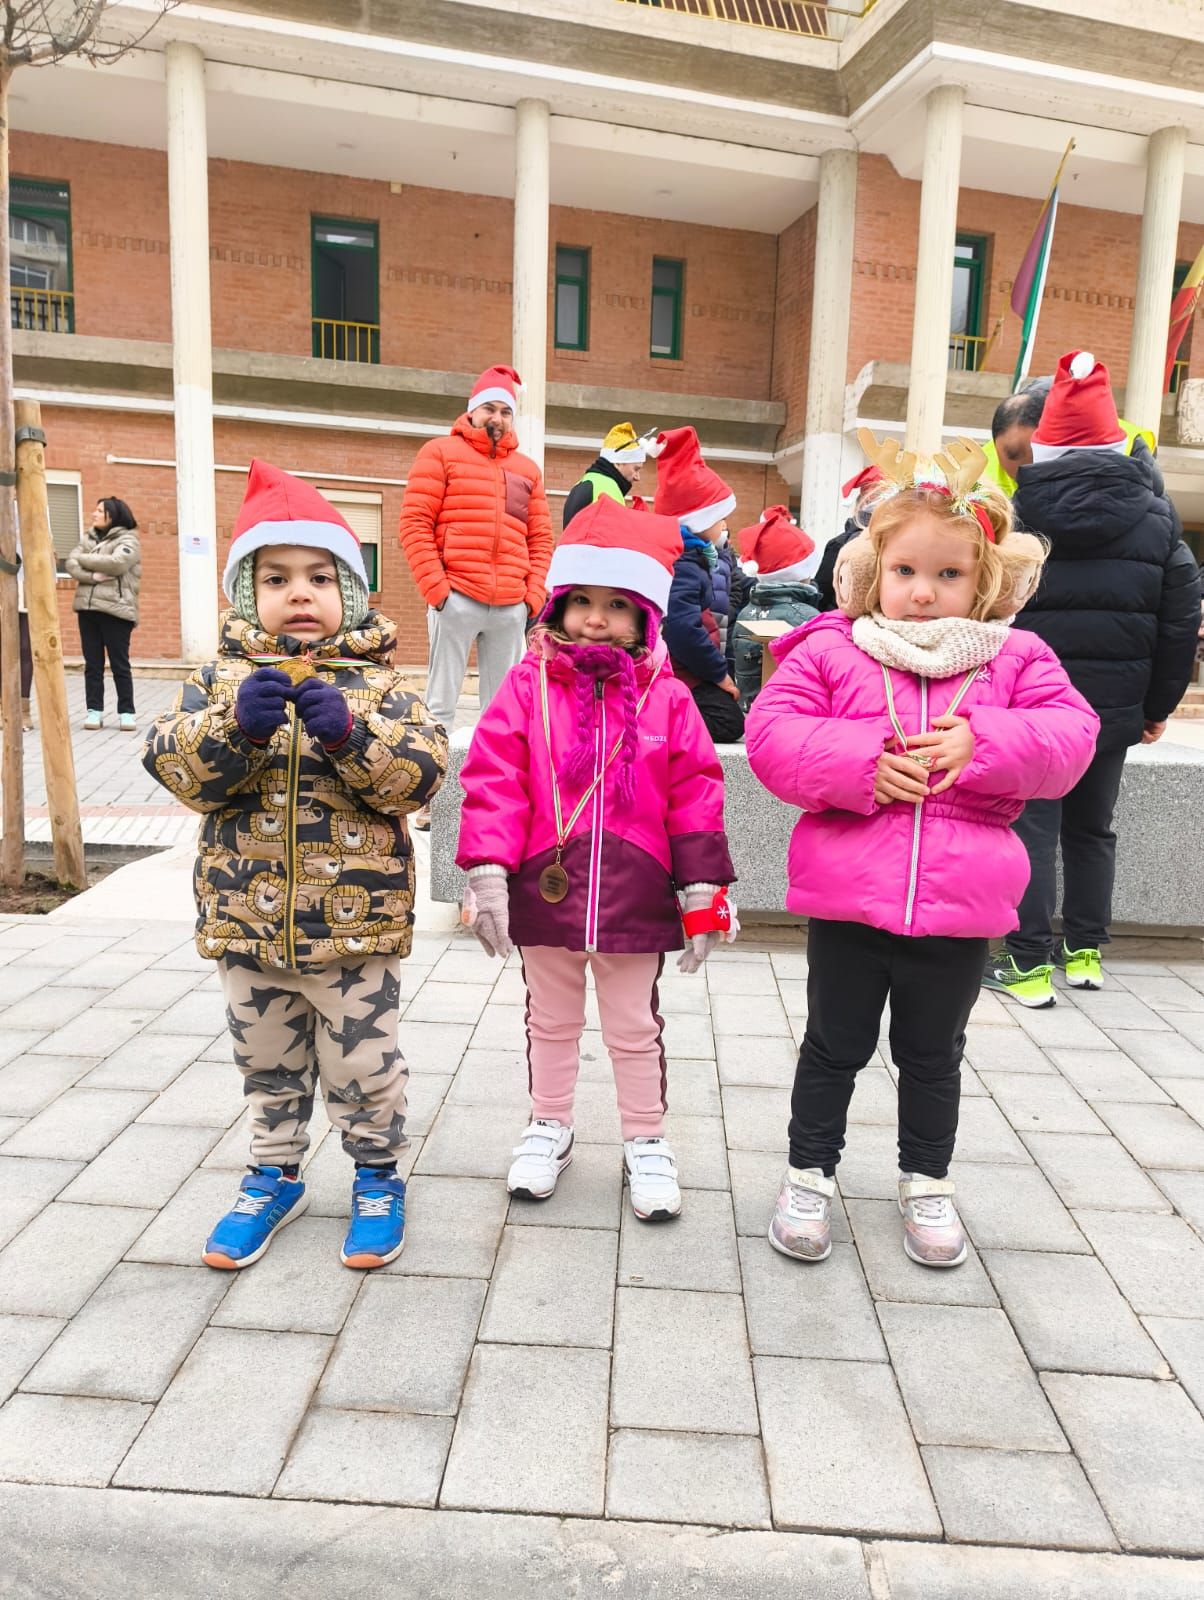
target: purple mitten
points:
(323, 710)
(260, 707)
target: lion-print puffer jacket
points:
(304, 857)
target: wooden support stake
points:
(37, 550)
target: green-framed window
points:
(668, 278)
(572, 299)
(969, 298)
(345, 277)
(39, 242)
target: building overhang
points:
(405, 400)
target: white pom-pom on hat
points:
(750, 568)
(1083, 365)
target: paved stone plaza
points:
(608, 1393)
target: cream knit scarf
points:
(938, 649)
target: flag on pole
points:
(1030, 280)
(1183, 308)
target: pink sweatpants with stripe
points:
(631, 1031)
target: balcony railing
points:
(346, 341)
(42, 310)
(966, 352)
(809, 21)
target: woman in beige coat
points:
(107, 567)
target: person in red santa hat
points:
(304, 750)
(1119, 603)
(592, 834)
(773, 553)
(700, 502)
(476, 531)
(861, 494)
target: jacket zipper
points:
(913, 872)
(501, 516)
(595, 843)
(290, 840)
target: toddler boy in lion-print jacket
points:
(304, 750)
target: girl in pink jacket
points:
(910, 727)
(592, 795)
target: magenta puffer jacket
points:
(623, 862)
(951, 865)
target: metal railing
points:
(807, 20)
(1178, 374)
(966, 351)
(42, 310)
(346, 341)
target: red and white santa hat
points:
(774, 544)
(686, 488)
(495, 383)
(279, 509)
(1080, 413)
(861, 481)
(608, 546)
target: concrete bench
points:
(1160, 863)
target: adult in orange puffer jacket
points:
(476, 532)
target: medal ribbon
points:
(314, 661)
(894, 718)
(563, 830)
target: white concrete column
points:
(530, 338)
(934, 268)
(1165, 152)
(192, 348)
(828, 364)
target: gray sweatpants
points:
(498, 633)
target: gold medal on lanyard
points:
(554, 880)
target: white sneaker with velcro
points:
(540, 1156)
(650, 1172)
(932, 1230)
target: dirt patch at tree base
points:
(41, 891)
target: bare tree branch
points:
(33, 37)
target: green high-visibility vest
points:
(604, 485)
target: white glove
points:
(486, 909)
(700, 897)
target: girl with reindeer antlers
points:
(910, 726)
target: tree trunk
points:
(37, 548)
(12, 846)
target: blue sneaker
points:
(266, 1201)
(378, 1219)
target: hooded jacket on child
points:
(952, 865)
(654, 822)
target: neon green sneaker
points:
(1084, 969)
(1033, 988)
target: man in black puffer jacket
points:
(1119, 602)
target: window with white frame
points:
(362, 510)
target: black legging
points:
(931, 983)
(100, 633)
(26, 655)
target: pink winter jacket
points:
(951, 865)
(622, 864)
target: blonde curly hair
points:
(1007, 571)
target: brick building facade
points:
(445, 266)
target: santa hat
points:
(1080, 413)
(621, 444)
(279, 509)
(608, 546)
(774, 543)
(686, 488)
(495, 383)
(865, 479)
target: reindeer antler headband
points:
(955, 472)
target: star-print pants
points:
(337, 1023)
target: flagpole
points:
(1052, 190)
(1033, 314)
